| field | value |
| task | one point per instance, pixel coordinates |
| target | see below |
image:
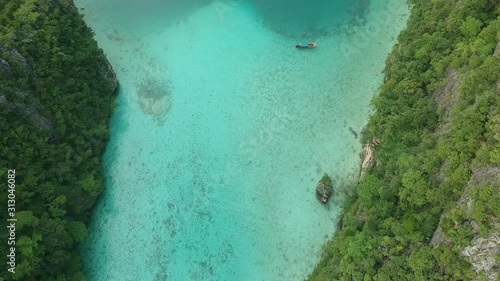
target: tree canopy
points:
(56, 98)
(437, 119)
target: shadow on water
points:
(291, 18)
(146, 11)
(311, 19)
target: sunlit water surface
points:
(223, 129)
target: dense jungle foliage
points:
(56, 98)
(437, 119)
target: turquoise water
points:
(223, 129)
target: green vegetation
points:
(437, 119)
(438, 122)
(56, 98)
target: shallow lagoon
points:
(223, 129)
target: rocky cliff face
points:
(497, 50)
(368, 158)
(480, 251)
(446, 97)
(485, 244)
(7, 72)
(20, 100)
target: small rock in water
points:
(353, 132)
(324, 189)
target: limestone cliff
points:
(484, 246)
(57, 93)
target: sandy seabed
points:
(222, 131)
